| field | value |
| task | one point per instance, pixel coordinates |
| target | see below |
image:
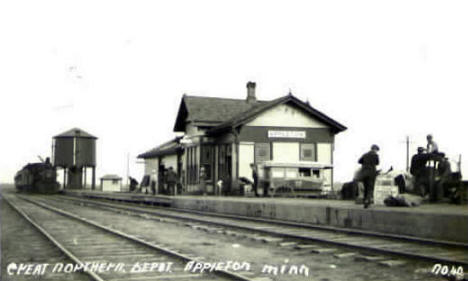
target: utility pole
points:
(407, 144)
(459, 162)
(128, 168)
(407, 153)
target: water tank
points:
(74, 148)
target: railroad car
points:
(37, 178)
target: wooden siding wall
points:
(150, 165)
(285, 115)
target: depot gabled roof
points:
(210, 111)
(219, 114)
(249, 115)
(75, 132)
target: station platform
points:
(439, 221)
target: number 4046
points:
(445, 270)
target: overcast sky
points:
(118, 69)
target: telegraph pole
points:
(407, 153)
(128, 168)
(407, 144)
(459, 162)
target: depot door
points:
(225, 162)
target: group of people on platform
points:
(430, 169)
(167, 184)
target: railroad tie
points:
(323, 250)
(369, 258)
(287, 244)
(392, 263)
(262, 279)
(304, 246)
(272, 239)
(344, 255)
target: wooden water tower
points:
(74, 151)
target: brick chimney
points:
(251, 92)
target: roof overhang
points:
(168, 148)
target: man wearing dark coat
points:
(171, 181)
(419, 171)
(368, 173)
(255, 178)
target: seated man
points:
(432, 146)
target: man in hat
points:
(444, 173)
(419, 171)
(418, 161)
(255, 178)
(369, 162)
(171, 179)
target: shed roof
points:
(111, 177)
(167, 148)
(75, 132)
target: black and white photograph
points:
(233, 140)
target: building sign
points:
(287, 134)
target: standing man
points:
(153, 187)
(203, 180)
(433, 151)
(369, 162)
(444, 173)
(419, 171)
(255, 178)
(171, 181)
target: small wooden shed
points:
(111, 183)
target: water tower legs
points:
(93, 184)
(75, 178)
(64, 178)
(84, 177)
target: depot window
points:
(192, 165)
(308, 152)
(262, 152)
(206, 160)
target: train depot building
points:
(224, 136)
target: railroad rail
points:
(92, 241)
(403, 246)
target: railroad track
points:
(104, 253)
(450, 253)
(23, 246)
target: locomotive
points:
(38, 177)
